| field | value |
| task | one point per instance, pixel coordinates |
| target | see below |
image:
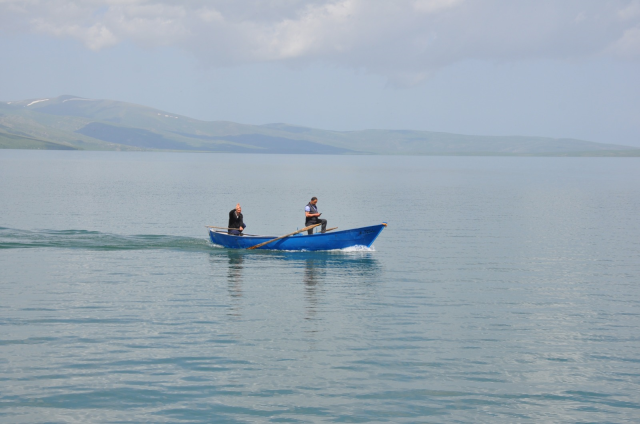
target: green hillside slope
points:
(13, 141)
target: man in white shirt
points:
(312, 216)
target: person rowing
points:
(236, 220)
(313, 216)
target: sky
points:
(564, 69)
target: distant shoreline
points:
(612, 154)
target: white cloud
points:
(628, 46)
(630, 11)
(429, 6)
(405, 40)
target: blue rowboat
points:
(364, 236)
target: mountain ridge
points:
(75, 123)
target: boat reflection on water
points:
(356, 269)
(314, 274)
(321, 269)
(234, 280)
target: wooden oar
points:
(331, 229)
(285, 236)
(225, 228)
(222, 228)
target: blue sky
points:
(491, 67)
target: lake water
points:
(504, 290)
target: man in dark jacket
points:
(312, 216)
(236, 221)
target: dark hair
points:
(314, 198)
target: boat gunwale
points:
(224, 233)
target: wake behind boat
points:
(364, 236)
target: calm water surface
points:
(504, 290)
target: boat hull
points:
(364, 236)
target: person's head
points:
(314, 200)
(238, 208)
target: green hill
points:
(69, 122)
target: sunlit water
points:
(504, 290)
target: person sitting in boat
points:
(313, 216)
(236, 220)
